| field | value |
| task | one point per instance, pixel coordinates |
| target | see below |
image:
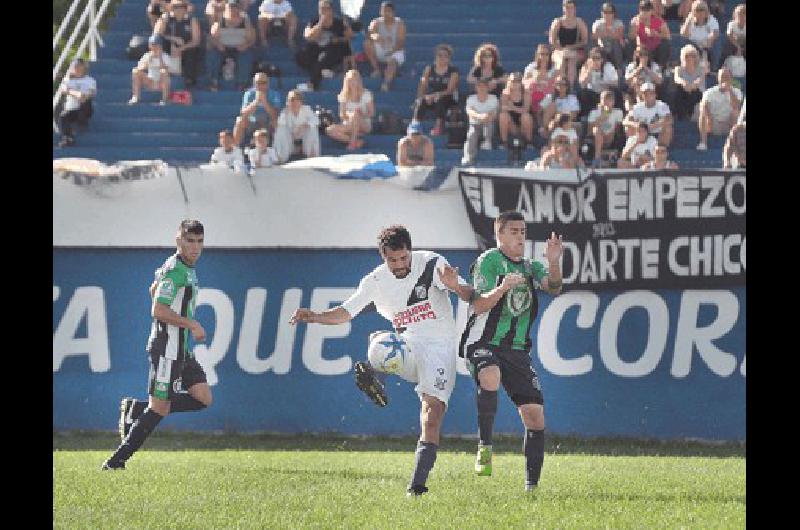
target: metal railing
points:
(91, 39)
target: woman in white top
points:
(690, 83)
(736, 35)
(559, 101)
(356, 109)
(597, 74)
(296, 124)
(151, 72)
(702, 29)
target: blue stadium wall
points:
(663, 364)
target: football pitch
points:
(184, 480)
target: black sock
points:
(139, 432)
(424, 458)
(185, 403)
(534, 455)
(137, 409)
(487, 408)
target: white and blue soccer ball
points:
(387, 352)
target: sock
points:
(534, 455)
(137, 409)
(185, 403)
(487, 408)
(424, 458)
(139, 432)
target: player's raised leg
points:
(430, 419)
(129, 411)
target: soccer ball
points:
(387, 351)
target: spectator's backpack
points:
(455, 123)
(270, 69)
(137, 47)
(389, 122)
(326, 117)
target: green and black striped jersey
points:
(176, 287)
(507, 325)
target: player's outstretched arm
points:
(552, 282)
(486, 301)
(337, 315)
(449, 277)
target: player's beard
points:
(401, 273)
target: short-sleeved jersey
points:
(418, 303)
(507, 325)
(176, 287)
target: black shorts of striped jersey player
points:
(496, 341)
(177, 382)
(411, 290)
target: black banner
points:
(680, 228)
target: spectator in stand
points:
(155, 10)
(182, 37)
(356, 109)
(515, 105)
(385, 43)
(661, 160)
(259, 109)
(560, 101)
(277, 16)
(640, 71)
(690, 83)
(437, 89)
(414, 149)
(482, 109)
(734, 154)
(569, 36)
(639, 149)
(215, 9)
(562, 126)
(261, 154)
(716, 8)
(597, 74)
(719, 108)
(151, 72)
(298, 129)
(231, 48)
(560, 156)
(486, 65)
(327, 44)
(702, 30)
(653, 112)
(79, 90)
(736, 35)
(651, 31)
(605, 126)
(539, 79)
(228, 154)
(608, 32)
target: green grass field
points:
(181, 480)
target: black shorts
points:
(169, 377)
(516, 372)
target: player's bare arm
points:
(487, 301)
(153, 289)
(555, 248)
(165, 314)
(337, 315)
(449, 277)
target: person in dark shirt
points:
(327, 44)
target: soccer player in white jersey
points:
(410, 289)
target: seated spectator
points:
(214, 11)
(608, 32)
(640, 71)
(261, 154)
(277, 16)
(597, 74)
(151, 72)
(259, 109)
(482, 109)
(734, 154)
(653, 112)
(569, 37)
(155, 10)
(661, 160)
(515, 105)
(182, 36)
(539, 79)
(228, 154)
(715, 7)
(414, 149)
(486, 65)
(702, 30)
(327, 44)
(231, 47)
(560, 101)
(79, 90)
(736, 35)
(560, 156)
(563, 126)
(651, 31)
(719, 108)
(356, 109)
(605, 126)
(639, 149)
(690, 83)
(385, 43)
(437, 89)
(298, 129)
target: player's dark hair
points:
(504, 217)
(395, 237)
(191, 226)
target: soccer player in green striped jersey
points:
(177, 381)
(496, 341)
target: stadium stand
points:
(187, 134)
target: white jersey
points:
(418, 303)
